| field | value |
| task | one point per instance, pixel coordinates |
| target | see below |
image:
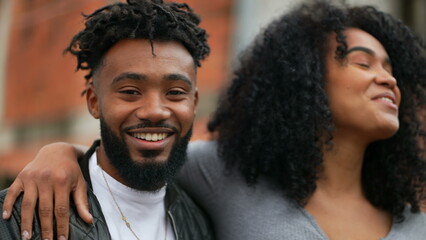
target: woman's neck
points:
(339, 200)
(341, 173)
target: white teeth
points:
(153, 137)
(386, 99)
(148, 137)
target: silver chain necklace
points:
(121, 212)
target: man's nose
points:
(153, 108)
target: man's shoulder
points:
(175, 196)
(190, 220)
(3, 195)
(18, 201)
(10, 229)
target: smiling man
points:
(146, 109)
(142, 58)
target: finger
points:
(12, 194)
(27, 209)
(62, 196)
(81, 202)
(45, 211)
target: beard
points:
(148, 175)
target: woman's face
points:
(363, 94)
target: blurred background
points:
(40, 98)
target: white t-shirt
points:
(145, 211)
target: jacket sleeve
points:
(78, 229)
(10, 229)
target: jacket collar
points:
(84, 162)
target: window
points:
(414, 14)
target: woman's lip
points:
(391, 105)
(388, 95)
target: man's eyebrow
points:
(368, 51)
(142, 77)
(179, 77)
(128, 75)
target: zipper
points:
(173, 224)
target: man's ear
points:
(92, 101)
(195, 101)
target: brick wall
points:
(42, 90)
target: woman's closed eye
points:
(363, 65)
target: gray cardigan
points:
(260, 212)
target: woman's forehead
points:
(359, 39)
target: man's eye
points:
(176, 92)
(130, 92)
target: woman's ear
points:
(92, 101)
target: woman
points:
(319, 134)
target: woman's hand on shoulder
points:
(50, 178)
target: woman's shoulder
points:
(413, 227)
(202, 149)
(414, 218)
(202, 156)
(202, 144)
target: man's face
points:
(145, 102)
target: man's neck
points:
(105, 164)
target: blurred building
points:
(40, 98)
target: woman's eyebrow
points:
(362, 49)
(368, 51)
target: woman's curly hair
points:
(146, 19)
(274, 119)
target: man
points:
(142, 58)
(284, 165)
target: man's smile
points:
(151, 138)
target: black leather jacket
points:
(188, 221)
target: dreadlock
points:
(274, 118)
(147, 19)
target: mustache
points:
(150, 124)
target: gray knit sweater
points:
(252, 213)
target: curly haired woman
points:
(319, 135)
